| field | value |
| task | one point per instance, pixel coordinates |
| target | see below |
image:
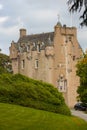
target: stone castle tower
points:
(49, 57)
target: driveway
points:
(80, 114)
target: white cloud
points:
(8, 34)
(1, 6)
(20, 22)
(3, 19)
(44, 14)
(11, 30)
(82, 37)
(36, 16)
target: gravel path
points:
(80, 114)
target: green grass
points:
(13, 117)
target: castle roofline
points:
(42, 37)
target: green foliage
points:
(82, 73)
(18, 89)
(5, 64)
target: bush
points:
(18, 89)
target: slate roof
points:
(43, 37)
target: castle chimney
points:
(22, 32)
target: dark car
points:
(81, 106)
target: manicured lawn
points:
(14, 117)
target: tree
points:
(78, 5)
(82, 73)
(5, 64)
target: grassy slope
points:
(21, 90)
(14, 117)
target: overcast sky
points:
(37, 16)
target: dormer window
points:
(28, 48)
(38, 48)
(34, 44)
(42, 43)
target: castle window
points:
(73, 58)
(36, 63)
(28, 48)
(62, 85)
(34, 44)
(22, 64)
(70, 38)
(38, 48)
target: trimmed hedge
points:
(21, 90)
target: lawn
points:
(13, 117)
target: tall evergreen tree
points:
(78, 5)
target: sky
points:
(37, 16)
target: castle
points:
(49, 57)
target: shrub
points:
(21, 90)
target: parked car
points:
(81, 106)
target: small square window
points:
(73, 58)
(36, 63)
